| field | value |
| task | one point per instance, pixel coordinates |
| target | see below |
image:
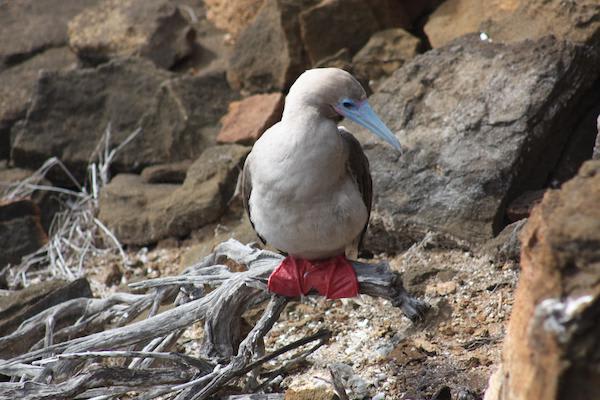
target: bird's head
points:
(337, 94)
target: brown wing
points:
(358, 166)
(246, 191)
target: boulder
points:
(23, 304)
(153, 29)
(21, 230)
(384, 53)
(232, 16)
(515, 20)
(455, 18)
(140, 213)
(269, 55)
(352, 22)
(249, 118)
(71, 110)
(166, 173)
(18, 85)
(34, 26)
(552, 346)
(468, 115)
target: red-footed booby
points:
(306, 183)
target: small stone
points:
(521, 207)
(249, 118)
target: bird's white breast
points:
(303, 200)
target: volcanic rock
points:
(232, 16)
(249, 118)
(18, 85)
(28, 27)
(154, 29)
(515, 20)
(384, 53)
(268, 54)
(166, 173)
(21, 231)
(552, 347)
(353, 22)
(468, 115)
(71, 111)
(140, 213)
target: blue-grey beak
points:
(363, 114)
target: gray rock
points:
(469, 116)
(72, 109)
(28, 27)
(353, 22)
(21, 231)
(18, 85)
(140, 213)
(26, 303)
(154, 29)
(268, 54)
(507, 245)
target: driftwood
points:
(71, 363)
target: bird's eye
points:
(348, 104)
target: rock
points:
(178, 116)
(580, 147)
(521, 207)
(391, 13)
(166, 173)
(26, 303)
(232, 16)
(455, 18)
(352, 21)
(47, 201)
(507, 245)
(384, 53)
(249, 118)
(34, 26)
(154, 29)
(468, 117)
(596, 153)
(576, 21)
(551, 348)
(269, 55)
(21, 231)
(18, 85)
(515, 20)
(139, 213)
(318, 393)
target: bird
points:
(306, 184)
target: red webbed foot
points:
(333, 277)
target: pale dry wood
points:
(227, 356)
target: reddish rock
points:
(232, 16)
(551, 348)
(249, 118)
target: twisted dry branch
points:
(71, 368)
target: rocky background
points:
(497, 102)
